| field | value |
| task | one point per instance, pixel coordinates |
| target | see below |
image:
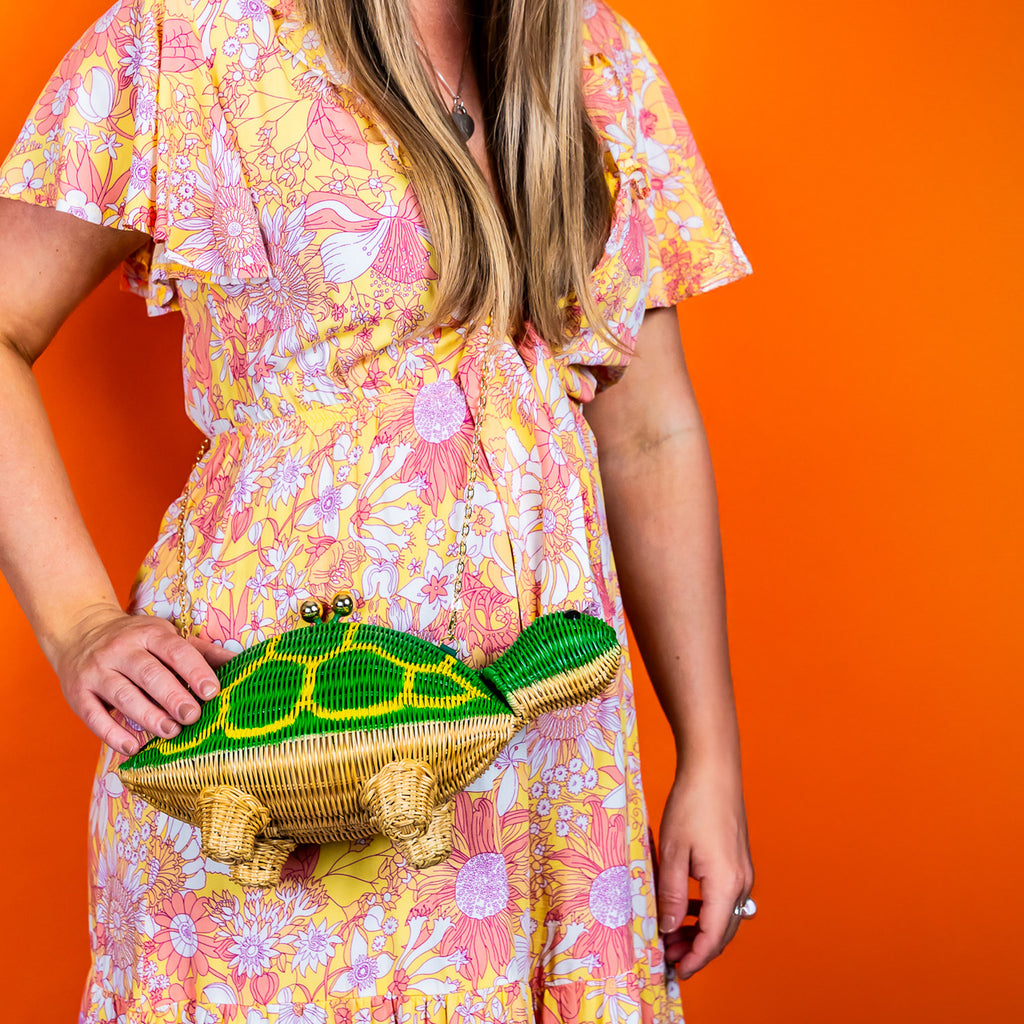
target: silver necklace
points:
(464, 123)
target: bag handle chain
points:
(186, 622)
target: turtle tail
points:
(560, 659)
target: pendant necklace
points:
(464, 122)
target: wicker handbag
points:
(341, 730)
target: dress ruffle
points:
(624, 999)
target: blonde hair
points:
(548, 157)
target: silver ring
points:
(746, 909)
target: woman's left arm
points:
(660, 497)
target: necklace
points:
(464, 122)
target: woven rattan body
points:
(342, 730)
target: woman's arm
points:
(49, 262)
(662, 514)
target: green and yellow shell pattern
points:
(340, 730)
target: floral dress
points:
(284, 229)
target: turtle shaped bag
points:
(340, 730)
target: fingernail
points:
(668, 923)
(207, 690)
(128, 747)
(188, 713)
(169, 728)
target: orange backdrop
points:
(862, 395)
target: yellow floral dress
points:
(284, 229)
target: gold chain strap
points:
(186, 623)
(468, 509)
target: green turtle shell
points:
(345, 677)
(339, 730)
(328, 677)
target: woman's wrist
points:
(70, 623)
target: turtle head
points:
(560, 659)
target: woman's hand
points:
(138, 665)
(703, 836)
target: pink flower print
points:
(103, 31)
(59, 96)
(610, 901)
(431, 592)
(120, 912)
(297, 1013)
(365, 969)
(435, 422)
(223, 235)
(481, 886)
(608, 894)
(574, 732)
(314, 947)
(185, 936)
(292, 298)
(253, 949)
(391, 239)
(139, 53)
(331, 499)
(473, 887)
(403, 256)
(439, 410)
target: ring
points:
(746, 909)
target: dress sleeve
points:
(691, 242)
(128, 133)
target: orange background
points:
(863, 398)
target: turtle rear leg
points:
(401, 798)
(435, 845)
(264, 870)
(229, 819)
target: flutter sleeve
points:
(127, 133)
(672, 237)
(691, 243)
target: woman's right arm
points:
(104, 658)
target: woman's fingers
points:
(720, 893)
(97, 717)
(679, 942)
(673, 893)
(192, 668)
(141, 667)
(124, 694)
(214, 654)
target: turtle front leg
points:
(435, 845)
(401, 798)
(229, 820)
(264, 870)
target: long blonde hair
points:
(549, 160)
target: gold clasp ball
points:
(310, 610)
(343, 605)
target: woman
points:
(508, 185)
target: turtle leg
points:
(264, 870)
(401, 798)
(435, 845)
(229, 819)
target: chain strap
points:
(186, 623)
(468, 508)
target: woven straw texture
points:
(343, 730)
